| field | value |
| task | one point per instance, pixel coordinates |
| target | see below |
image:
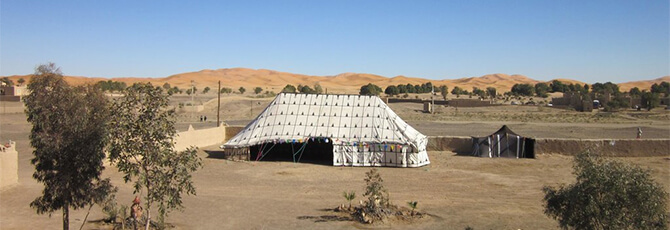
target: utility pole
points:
(192, 99)
(432, 98)
(218, 107)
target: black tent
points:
(503, 143)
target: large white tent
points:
(362, 130)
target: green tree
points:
(142, 147)
(479, 92)
(305, 89)
(370, 89)
(68, 136)
(542, 90)
(318, 88)
(523, 90)
(242, 90)
(650, 100)
(258, 90)
(289, 89)
(558, 87)
(189, 91)
(617, 102)
(21, 81)
(7, 81)
(664, 88)
(635, 92)
(167, 86)
(444, 91)
(226, 90)
(607, 195)
(392, 90)
(491, 91)
(206, 90)
(457, 91)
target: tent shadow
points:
(215, 154)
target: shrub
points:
(378, 201)
(607, 195)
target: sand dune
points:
(342, 83)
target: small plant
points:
(377, 195)
(413, 204)
(349, 196)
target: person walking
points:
(639, 132)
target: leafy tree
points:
(189, 91)
(258, 90)
(608, 87)
(402, 88)
(608, 195)
(617, 102)
(542, 89)
(491, 91)
(457, 91)
(558, 87)
(370, 89)
(226, 90)
(68, 137)
(175, 90)
(664, 88)
(167, 86)
(410, 88)
(206, 90)
(317, 88)
(392, 90)
(650, 100)
(586, 88)
(523, 90)
(142, 147)
(289, 89)
(7, 81)
(305, 89)
(242, 90)
(444, 91)
(479, 92)
(635, 92)
(21, 81)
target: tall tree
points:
(444, 91)
(68, 137)
(142, 147)
(392, 90)
(370, 89)
(242, 90)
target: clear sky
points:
(592, 41)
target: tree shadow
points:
(327, 218)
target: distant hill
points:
(341, 83)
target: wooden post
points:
(218, 107)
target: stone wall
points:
(613, 147)
(9, 166)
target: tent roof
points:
(505, 130)
(341, 118)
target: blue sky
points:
(592, 41)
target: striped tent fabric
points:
(363, 130)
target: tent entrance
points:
(309, 152)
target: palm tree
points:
(349, 196)
(412, 204)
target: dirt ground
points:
(457, 191)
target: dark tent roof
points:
(504, 143)
(505, 130)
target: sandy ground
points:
(457, 191)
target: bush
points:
(608, 195)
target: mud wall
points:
(9, 166)
(200, 138)
(231, 131)
(616, 148)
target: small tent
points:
(350, 130)
(503, 143)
